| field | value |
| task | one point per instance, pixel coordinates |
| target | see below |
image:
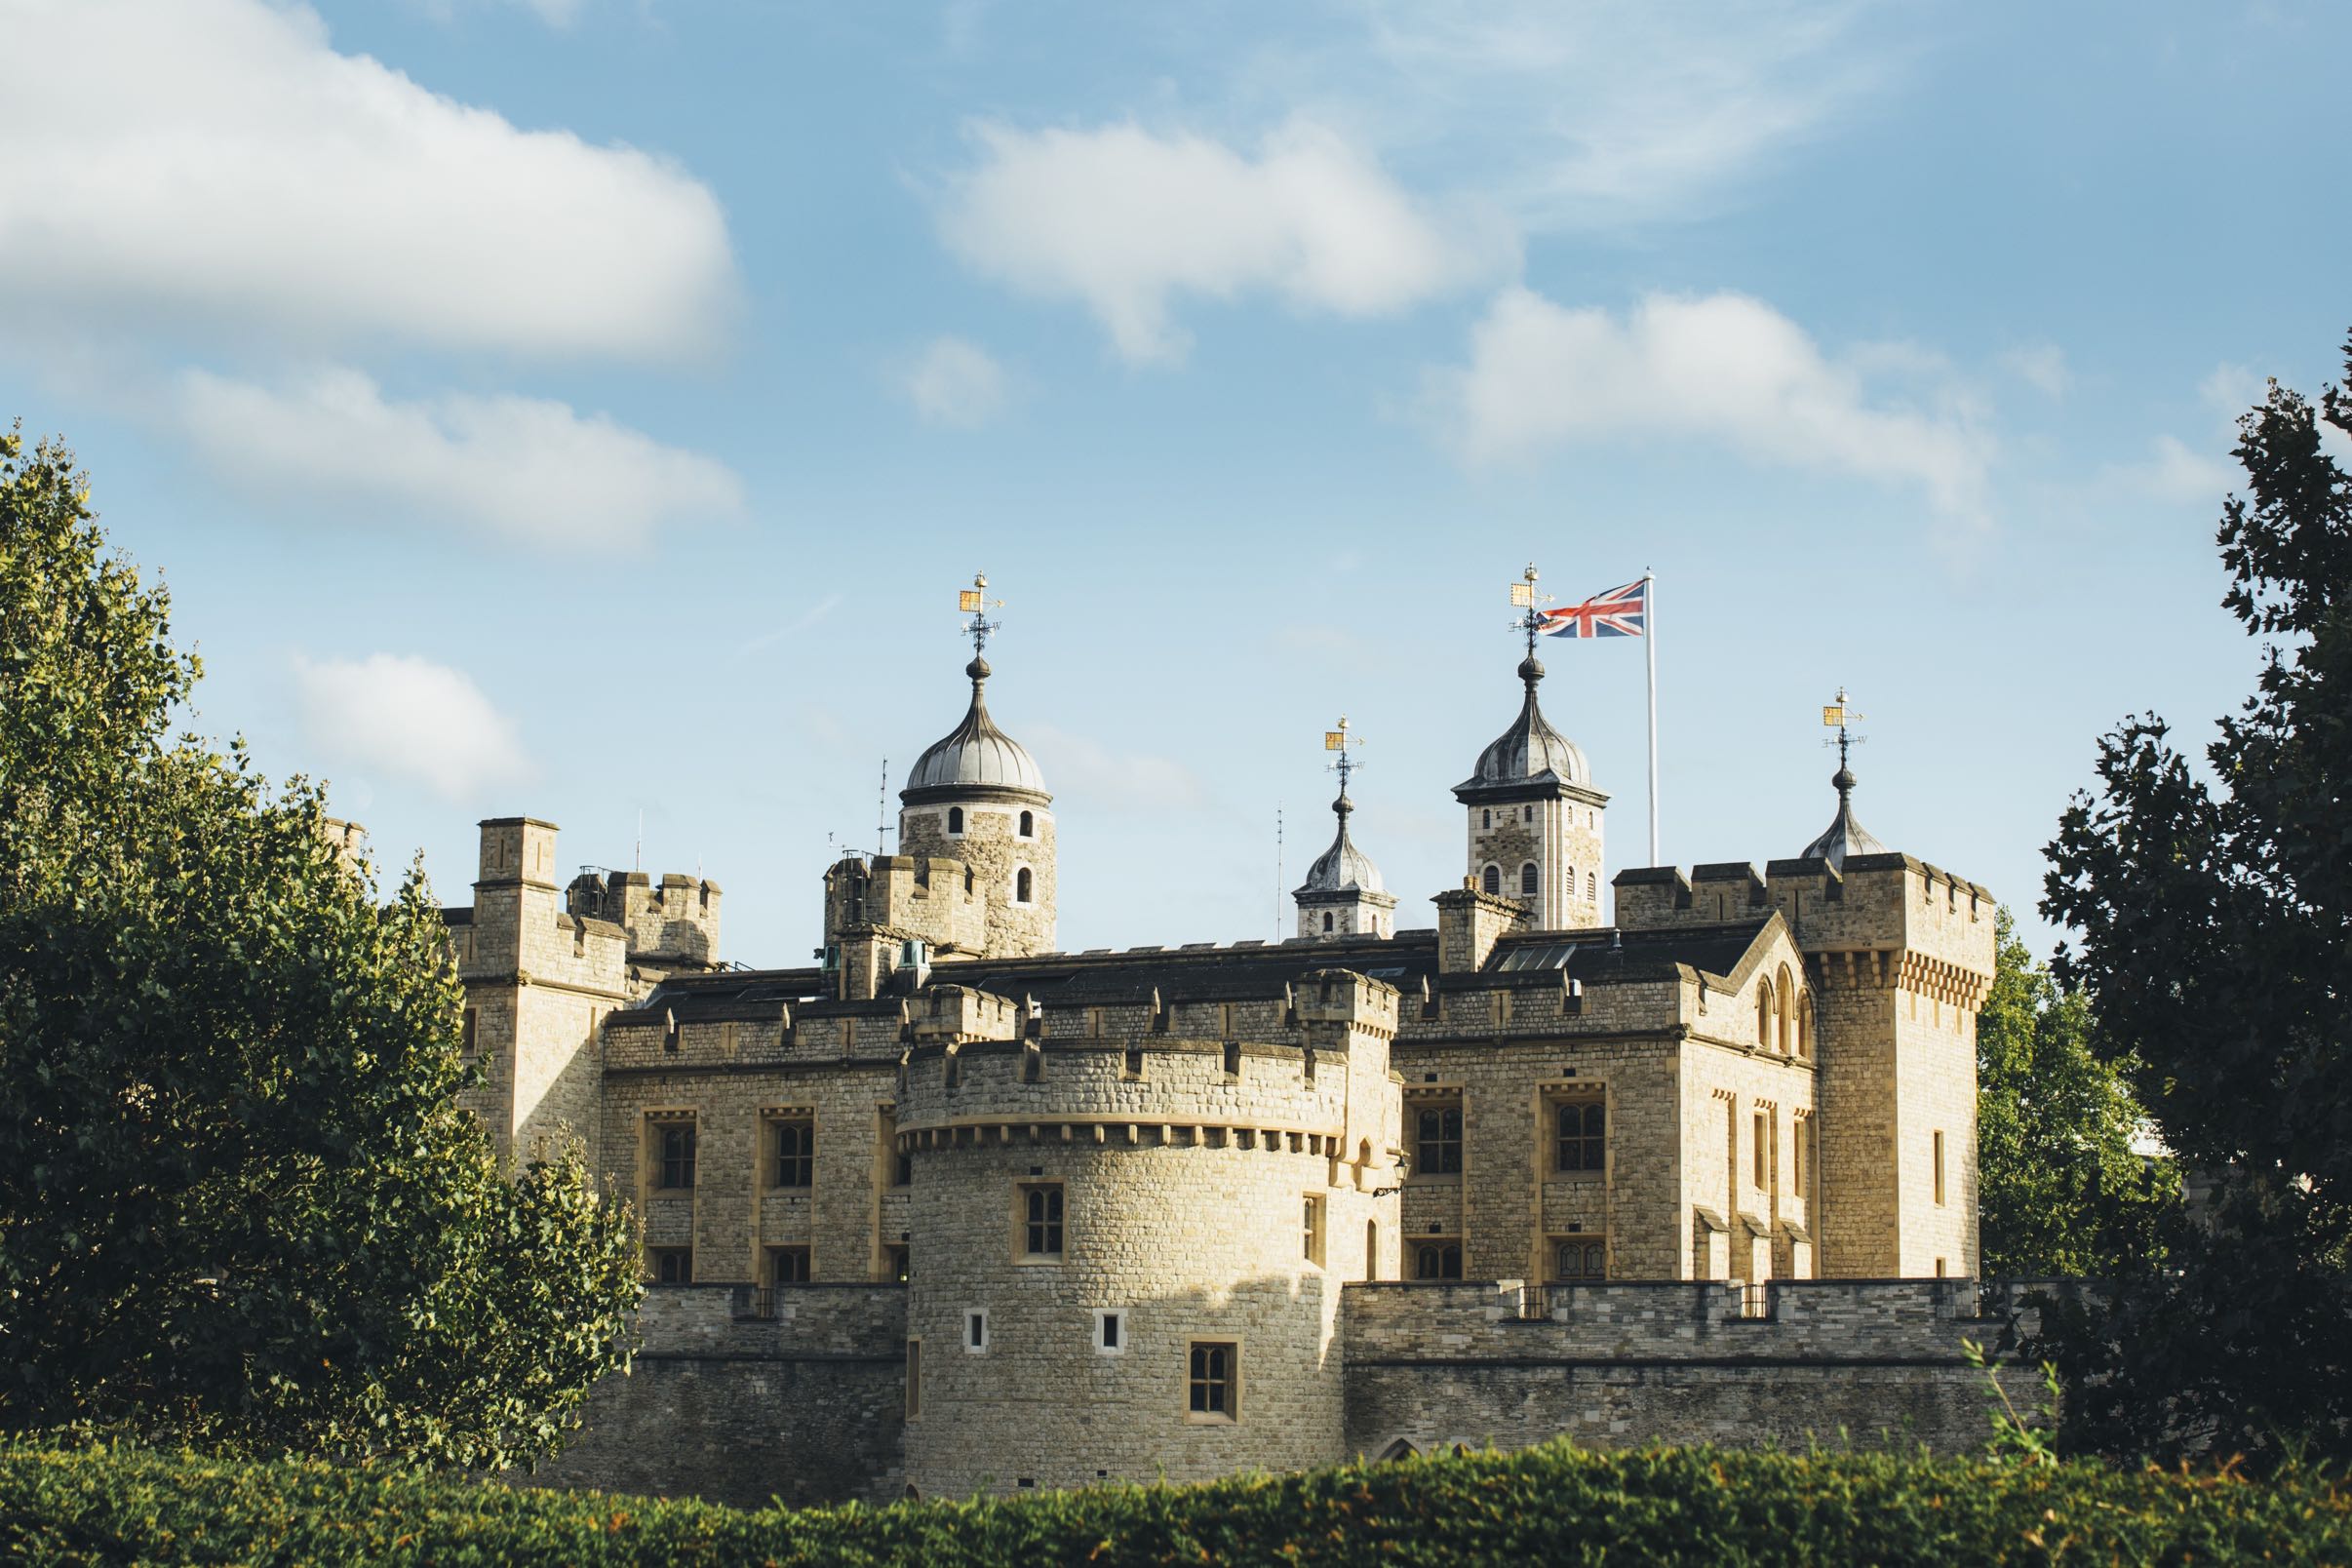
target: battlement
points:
(1344, 998)
(676, 922)
(1882, 903)
(954, 1014)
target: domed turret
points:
(976, 798)
(1535, 818)
(1843, 837)
(1343, 894)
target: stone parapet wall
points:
(1617, 1365)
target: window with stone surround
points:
(670, 1266)
(1804, 1025)
(793, 1138)
(1939, 1157)
(897, 1262)
(1022, 885)
(1764, 1012)
(672, 1144)
(470, 1045)
(1785, 1020)
(1802, 1151)
(787, 1266)
(955, 825)
(1591, 885)
(1311, 1228)
(976, 1329)
(1040, 1221)
(1579, 1258)
(1436, 1138)
(1438, 1258)
(902, 1168)
(1029, 825)
(1326, 920)
(1492, 880)
(1531, 880)
(1486, 819)
(1760, 1149)
(1109, 1331)
(1580, 1136)
(1214, 1383)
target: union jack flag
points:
(1618, 613)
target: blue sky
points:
(588, 408)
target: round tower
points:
(976, 797)
(1128, 1248)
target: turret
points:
(1343, 894)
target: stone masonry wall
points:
(802, 1407)
(1619, 1365)
(992, 846)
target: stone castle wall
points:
(802, 1406)
(1617, 1365)
(992, 846)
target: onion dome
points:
(1844, 835)
(975, 754)
(1342, 868)
(1530, 751)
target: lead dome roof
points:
(1844, 835)
(1342, 868)
(1530, 751)
(975, 754)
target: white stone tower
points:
(1343, 894)
(1535, 818)
(976, 797)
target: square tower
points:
(1535, 820)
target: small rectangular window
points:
(1761, 1156)
(976, 1330)
(794, 1140)
(913, 1379)
(469, 1045)
(897, 1263)
(673, 1156)
(902, 1169)
(1094, 1022)
(1938, 1167)
(1040, 1220)
(1802, 1154)
(787, 1266)
(671, 1265)
(1215, 1381)
(1438, 1140)
(1580, 1136)
(1110, 1330)
(1224, 1019)
(1313, 1228)
(1233, 1060)
(1135, 1066)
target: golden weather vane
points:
(975, 602)
(1339, 740)
(1840, 716)
(1523, 597)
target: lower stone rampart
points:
(1873, 1363)
(740, 1395)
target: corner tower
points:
(1534, 816)
(1343, 894)
(976, 797)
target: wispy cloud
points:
(2040, 365)
(217, 167)
(1127, 220)
(1109, 779)
(407, 718)
(1721, 368)
(791, 628)
(2175, 474)
(956, 383)
(528, 468)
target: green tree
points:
(239, 1202)
(2060, 1190)
(2212, 919)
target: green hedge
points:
(1550, 1505)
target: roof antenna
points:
(1280, 879)
(881, 808)
(640, 839)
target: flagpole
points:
(1649, 595)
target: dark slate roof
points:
(976, 753)
(1529, 752)
(1844, 835)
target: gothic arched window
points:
(1764, 1013)
(1326, 920)
(955, 819)
(1494, 881)
(1530, 879)
(1021, 886)
(1788, 1003)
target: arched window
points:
(1579, 1257)
(1486, 819)
(1326, 920)
(1371, 1249)
(1591, 884)
(1764, 1012)
(955, 819)
(1437, 1260)
(1400, 1449)
(1494, 880)
(1029, 825)
(1021, 886)
(1788, 1025)
(1530, 879)
(1804, 1013)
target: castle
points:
(952, 1210)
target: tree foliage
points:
(2060, 1189)
(238, 1199)
(2213, 921)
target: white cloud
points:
(2175, 474)
(215, 164)
(956, 383)
(1607, 111)
(404, 717)
(2040, 365)
(530, 468)
(1723, 367)
(1126, 219)
(1086, 769)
